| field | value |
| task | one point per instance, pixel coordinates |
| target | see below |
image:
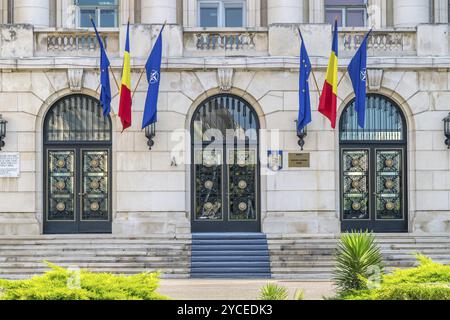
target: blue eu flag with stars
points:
(153, 70)
(105, 92)
(304, 114)
(358, 74)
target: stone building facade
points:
(48, 56)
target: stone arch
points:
(39, 143)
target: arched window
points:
(384, 122)
(77, 167)
(77, 118)
(374, 168)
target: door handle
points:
(82, 194)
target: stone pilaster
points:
(410, 13)
(285, 11)
(316, 11)
(441, 11)
(35, 12)
(158, 11)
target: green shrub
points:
(299, 295)
(273, 291)
(428, 271)
(62, 284)
(405, 291)
(358, 258)
(428, 281)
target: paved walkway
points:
(193, 289)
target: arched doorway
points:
(373, 164)
(225, 183)
(77, 167)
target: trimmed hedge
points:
(62, 284)
(428, 281)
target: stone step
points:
(215, 275)
(109, 269)
(69, 258)
(93, 241)
(89, 253)
(230, 258)
(302, 270)
(95, 265)
(230, 264)
(58, 246)
(227, 236)
(228, 253)
(228, 242)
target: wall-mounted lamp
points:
(301, 134)
(150, 133)
(447, 130)
(2, 131)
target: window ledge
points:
(244, 29)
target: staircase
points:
(22, 257)
(230, 256)
(312, 257)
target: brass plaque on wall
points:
(299, 160)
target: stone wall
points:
(150, 195)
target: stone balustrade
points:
(74, 43)
(203, 42)
(277, 40)
(380, 42)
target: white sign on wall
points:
(9, 165)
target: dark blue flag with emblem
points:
(304, 113)
(105, 91)
(153, 70)
(358, 74)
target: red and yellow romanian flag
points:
(328, 99)
(125, 90)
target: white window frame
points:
(345, 9)
(221, 6)
(98, 10)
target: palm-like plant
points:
(273, 291)
(358, 258)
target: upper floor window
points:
(350, 13)
(104, 13)
(221, 13)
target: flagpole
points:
(143, 70)
(114, 76)
(312, 71)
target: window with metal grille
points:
(77, 118)
(384, 121)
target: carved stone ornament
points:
(225, 78)
(75, 77)
(375, 79)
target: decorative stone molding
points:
(225, 78)
(375, 79)
(75, 79)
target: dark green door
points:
(373, 166)
(77, 167)
(225, 167)
(78, 188)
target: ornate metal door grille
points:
(77, 167)
(225, 166)
(373, 168)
